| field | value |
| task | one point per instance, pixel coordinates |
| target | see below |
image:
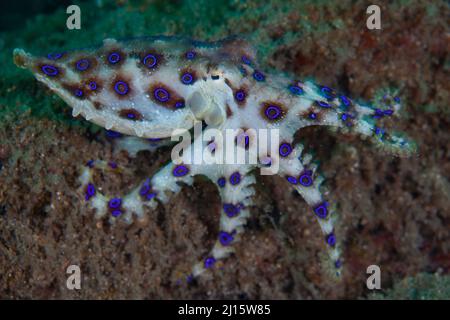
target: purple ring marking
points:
(150, 61)
(221, 182)
(294, 89)
(82, 64)
(331, 240)
(78, 93)
(113, 134)
(54, 56)
(144, 190)
(231, 210)
(93, 85)
(116, 213)
(190, 55)
(258, 76)
(338, 264)
(323, 104)
(291, 179)
(90, 191)
(272, 112)
(121, 87)
(285, 149)
(114, 58)
(321, 210)
(225, 238)
(50, 70)
(180, 171)
(209, 262)
(115, 203)
(187, 78)
(305, 179)
(246, 60)
(161, 94)
(240, 95)
(235, 178)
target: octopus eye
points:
(150, 61)
(121, 87)
(50, 70)
(114, 58)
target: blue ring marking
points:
(144, 189)
(221, 182)
(164, 92)
(246, 60)
(346, 101)
(78, 93)
(291, 179)
(240, 95)
(116, 213)
(153, 59)
(285, 149)
(305, 180)
(113, 134)
(269, 112)
(187, 78)
(258, 76)
(90, 163)
(209, 262)
(225, 238)
(323, 104)
(294, 89)
(93, 85)
(327, 92)
(235, 178)
(50, 70)
(180, 171)
(231, 210)
(190, 55)
(82, 64)
(114, 58)
(331, 239)
(54, 56)
(115, 203)
(121, 87)
(179, 104)
(151, 195)
(321, 210)
(90, 191)
(338, 264)
(313, 116)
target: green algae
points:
(423, 286)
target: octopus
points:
(149, 92)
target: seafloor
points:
(394, 212)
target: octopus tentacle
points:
(145, 194)
(301, 173)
